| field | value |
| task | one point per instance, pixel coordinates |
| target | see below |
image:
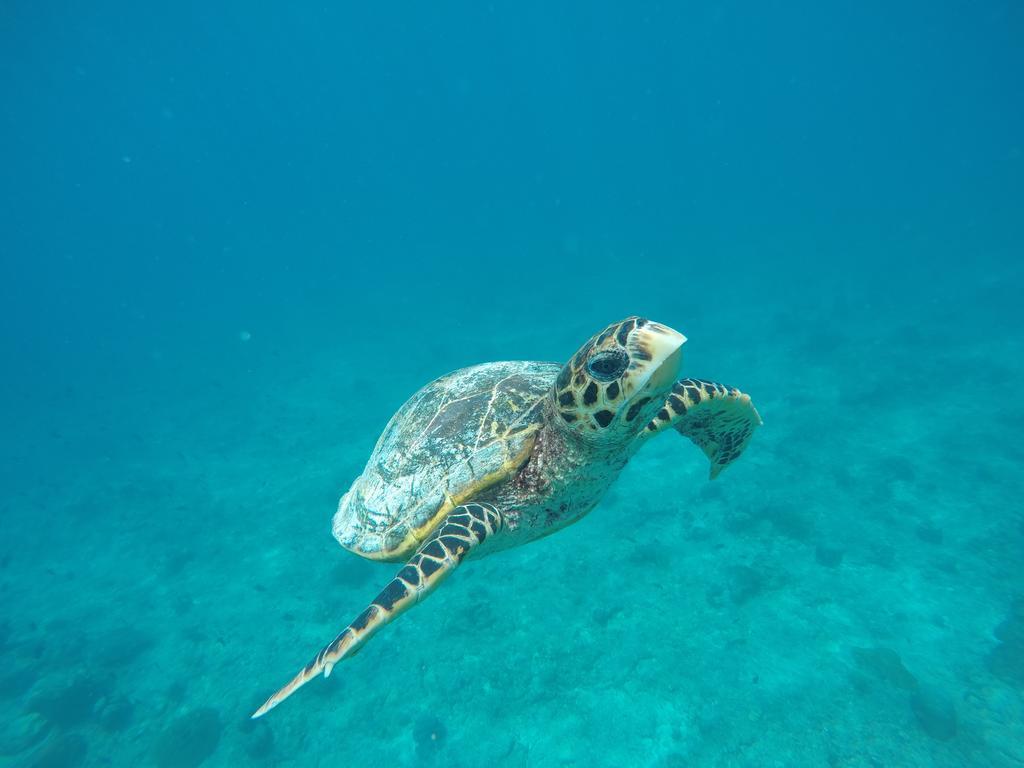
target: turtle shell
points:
(452, 440)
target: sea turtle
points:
(500, 454)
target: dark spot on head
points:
(604, 418)
(567, 398)
(623, 333)
(563, 377)
(579, 357)
(590, 395)
(634, 409)
(612, 391)
(569, 417)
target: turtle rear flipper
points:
(720, 420)
(466, 527)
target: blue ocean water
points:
(235, 238)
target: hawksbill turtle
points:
(500, 454)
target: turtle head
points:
(617, 381)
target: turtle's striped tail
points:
(466, 527)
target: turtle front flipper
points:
(466, 527)
(719, 419)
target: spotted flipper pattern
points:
(720, 420)
(466, 527)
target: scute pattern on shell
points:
(457, 433)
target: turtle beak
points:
(661, 349)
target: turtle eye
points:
(608, 365)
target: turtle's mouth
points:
(661, 350)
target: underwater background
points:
(235, 237)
